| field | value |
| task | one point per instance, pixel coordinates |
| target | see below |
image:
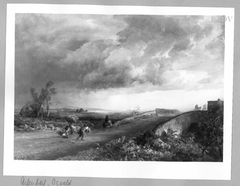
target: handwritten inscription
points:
(43, 182)
(61, 183)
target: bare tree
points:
(136, 110)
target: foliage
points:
(28, 124)
(146, 147)
(44, 98)
(202, 142)
(34, 95)
(209, 133)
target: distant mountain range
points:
(59, 105)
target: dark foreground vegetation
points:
(202, 142)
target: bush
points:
(209, 133)
(144, 147)
(203, 143)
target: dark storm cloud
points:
(92, 52)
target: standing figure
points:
(82, 131)
(107, 122)
(69, 129)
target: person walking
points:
(82, 131)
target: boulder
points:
(29, 110)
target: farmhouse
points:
(213, 105)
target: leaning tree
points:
(42, 99)
(47, 93)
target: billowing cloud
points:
(129, 52)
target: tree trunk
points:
(40, 111)
(48, 109)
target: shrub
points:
(204, 143)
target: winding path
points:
(48, 145)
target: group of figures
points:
(80, 130)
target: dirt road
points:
(48, 145)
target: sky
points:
(120, 62)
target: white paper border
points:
(152, 170)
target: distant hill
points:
(66, 108)
(59, 105)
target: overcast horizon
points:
(119, 62)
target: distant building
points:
(214, 105)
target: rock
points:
(28, 110)
(160, 144)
